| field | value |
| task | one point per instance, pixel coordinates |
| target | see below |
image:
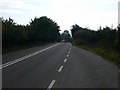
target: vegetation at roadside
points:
(40, 31)
(104, 42)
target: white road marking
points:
(65, 60)
(51, 85)
(69, 52)
(25, 57)
(60, 69)
(70, 47)
(67, 55)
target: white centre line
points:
(25, 57)
(65, 60)
(51, 85)
(67, 55)
(69, 52)
(60, 69)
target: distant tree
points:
(74, 29)
(66, 36)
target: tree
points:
(66, 36)
(104, 38)
(44, 29)
(40, 30)
(74, 29)
(118, 39)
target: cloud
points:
(11, 11)
(91, 13)
(14, 6)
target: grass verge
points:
(110, 55)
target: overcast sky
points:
(86, 13)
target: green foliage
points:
(40, 30)
(117, 43)
(74, 29)
(44, 29)
(11, 33)
(65, 36)
(104, 38)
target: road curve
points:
(61, 66)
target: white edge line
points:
(60, 69)
(24, 57)
(51, 84)
(67, 55)
(65, 60)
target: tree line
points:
(43, 29)
(40, 30)
(106, 37)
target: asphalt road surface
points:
(57, 65)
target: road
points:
(57, 65)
